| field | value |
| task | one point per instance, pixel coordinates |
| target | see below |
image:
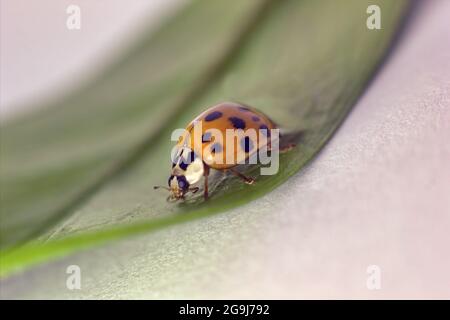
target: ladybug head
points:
(178, 186)
(187, 169)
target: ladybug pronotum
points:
(196, 155)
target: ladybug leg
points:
(194, 189)
(285, 141)
(206, 174)
(246, 179)
(287, 147)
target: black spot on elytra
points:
(238, 123)
(206, 137)
(246, 144)
(255, 118)
(213, 116)
(265, 130)
(216, 147)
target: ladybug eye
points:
(182, 182)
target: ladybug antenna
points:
(159, 187)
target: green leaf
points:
(81, 172)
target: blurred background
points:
(42, 60)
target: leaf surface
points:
(97, 154)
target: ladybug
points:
(195, 154)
